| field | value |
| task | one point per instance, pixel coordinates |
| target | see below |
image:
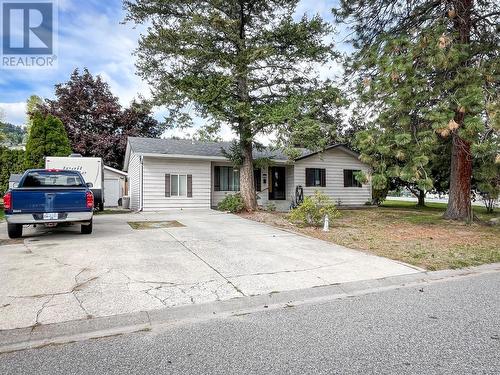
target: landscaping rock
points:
(494, 221)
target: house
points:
(115, 186)
(171, 173)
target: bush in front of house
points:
(271, 207)
(232, 203)
(313, 210)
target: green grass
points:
(415, 235)
(2, 215)
(435, 207)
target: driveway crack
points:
(285, 271)
(37, 323)
(208, 264)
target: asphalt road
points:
(451, 327)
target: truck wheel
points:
(86, 229)
(15, 230)
(101, 206)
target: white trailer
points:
(92, 170)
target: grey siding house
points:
(177, 174)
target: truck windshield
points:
(52, 179)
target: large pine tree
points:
(246, 63)
(454, 80)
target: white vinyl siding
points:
(155, 170)
(334, 161)
(134, 172)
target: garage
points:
(115, 182)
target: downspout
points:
(141, 196)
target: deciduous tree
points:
(96, 123)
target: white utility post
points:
(326, 226)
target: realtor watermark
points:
(29, 34)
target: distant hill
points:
(14, 134)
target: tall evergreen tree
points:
(445, 55)
(32, 105)
(47, 138)
(246, 63)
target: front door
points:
(277, 185)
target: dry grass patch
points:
(420, 238)
(140, 225)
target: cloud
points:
(91, 34)
(15, 113)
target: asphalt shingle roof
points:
(190, 147)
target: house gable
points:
(332, 163)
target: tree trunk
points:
(459, 201)
(421, 198)
(247, 183)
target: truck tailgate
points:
(32, 200)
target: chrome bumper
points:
(71, 217)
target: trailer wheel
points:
(15, 230)
(86, 229)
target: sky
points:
(91, 34)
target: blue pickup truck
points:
(49, 197)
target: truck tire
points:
(86, 229)
(101, 206)
(15, 230)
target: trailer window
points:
(52, 179)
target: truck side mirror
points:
(89, 184)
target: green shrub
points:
(11, 161)
(232, 203)
(379, 196)
(271, 207)
(313, 210)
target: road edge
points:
(95, 328)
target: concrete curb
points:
(80, 330)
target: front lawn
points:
(403, 232)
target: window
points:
(315, 177)
(51, 178)
(178, 185)
(350, 179)
(226, 179)
(257, 179)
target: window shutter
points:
(190, 185)
(167, 185)
(346, 178)
(309, 177)
(217, 178)
(322, 174)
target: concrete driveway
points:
(61, 275)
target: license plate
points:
(50, 216)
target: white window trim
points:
(178, 185)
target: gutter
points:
(141, 197)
